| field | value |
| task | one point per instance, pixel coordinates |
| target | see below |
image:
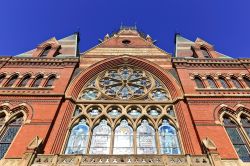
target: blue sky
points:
(224, 23)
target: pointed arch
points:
(165, 76)
(236, 82)
(223, 82)
(2, 77)
(211, 82)
(199, 82)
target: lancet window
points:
(211, 82)
(224, 83)
(50, 81)
(24, 81)
(37, 81)
(236, 136)
(199, 83)
(9, 131)
(11, 81)
(236, 83)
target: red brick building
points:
(124, 102)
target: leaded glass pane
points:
(236, 83)
(242, 152)
(199, 83)
(211, 83)
(234, 135)
(168, 139)
(114, 112)
(134, 112)
(77, 111)
(9, 134)
(159, 95)
(78, 139)
(100, 142)
(3, 149)
(123, 139)
(246, 125)
(94, 111)
(224, 83)
(154, 111)
(90, 94)
(146, 139)
(170, 111)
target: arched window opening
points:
(205, 52)
(50, 81)
(77, 111)
(2, 119)
(123, 139)
(9, 134)
(211, 83)
(247, 81)
(236, 82)
(224, 83)
(37, 81)
(199, 83)
(78, 139)
(46, 51)
(2, 77)
(24, 81)
(11, 81)
(245, 121)
(236, 139)
(168, 139)
(146, 139)
(100, 143)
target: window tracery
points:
(123, 139)
(168, 139)
(125, 83)
(100, 143)
(78, 139)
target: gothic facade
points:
(124, 102)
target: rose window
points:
(125, 83)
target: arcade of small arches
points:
(222, 82)
(27, 80)
(120, 129)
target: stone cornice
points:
(197, 62)
(31, 61)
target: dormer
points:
(47, 49)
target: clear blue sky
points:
(224, 23)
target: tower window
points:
(199, 83)
(45, 51)
(205, 52)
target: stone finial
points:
(106, 37)
(209, 145)
(35, 143)
(148, 38)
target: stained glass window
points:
(37, 81)
(246, 125)
(247, 81)
(134, 112)
(9, 134)
(146, 139)
(50, 81)
(125, 83)
(78, 139)
(236, 83)
(237, 140)
(198, 82)
(114, 111)
(154, 111)
(100, 143)
(211, 83)
(170, 111)
(77, 111)
(223, 82)
(159, 95)
(168, 139)
(89, 94)
(24, 81)
(123, 139)
(2, 119)
(11, 81)
(94, 111)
